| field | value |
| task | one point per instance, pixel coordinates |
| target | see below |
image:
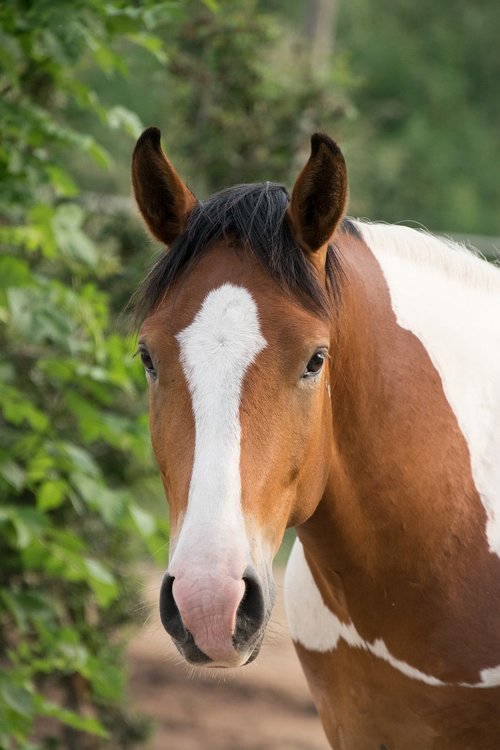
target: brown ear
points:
(319, 196)
(164, 201)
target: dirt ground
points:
(263, 706)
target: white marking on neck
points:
(450, 300)
(217, 349)
(316, 628)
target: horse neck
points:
(390, 466)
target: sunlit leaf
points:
(71, 240)
(124, 119)
(62, 182)
(152, 44)
(13, 473)
(51, 494)
(102, 581)
(144, 521)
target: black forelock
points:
(254, 216)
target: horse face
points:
(240, 423)
(240, 416)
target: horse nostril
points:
(251, 611)
(169, 612)
(172, 622)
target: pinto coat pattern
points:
(343, 378)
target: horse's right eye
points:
(147, 361)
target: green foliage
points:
(425, 143)
(74, 448)
(236, 101)
(243, 78)
(233, 88)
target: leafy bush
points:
(75, 463)
(245, 79)
(74, 447)
(425, 143)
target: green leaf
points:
(26, 606)
(101, 581)
(17, 697)
(70, 238)
(152, 44)
(97, 152)
(107, 684)
(212, 5)
(81, 460)
(40, 217)
(107, 59)
(17, 409)
(120, 118)
(15, 607)
(64, 186)
(14, 272)
(12, 472)
(75, 655)
(28, 523)
(144, 521)
(105, 501)
(51, 494)
(70, 718)
(39, 465)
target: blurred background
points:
(410, 91)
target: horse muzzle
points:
(216, 621)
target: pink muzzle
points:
(214, 619)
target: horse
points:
(313, 371)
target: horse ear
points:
(164, 201)
(319, 196)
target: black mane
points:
(253, 216)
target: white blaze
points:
(217, 349)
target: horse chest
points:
(366, 697)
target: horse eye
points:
(147, 361)
(314, 365)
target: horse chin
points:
(254, 654)
(241, 660)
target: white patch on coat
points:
(450, 300)
(490, 677)
(316, 628)
(217, 349)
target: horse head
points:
(235, 339)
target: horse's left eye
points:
(314, 365)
